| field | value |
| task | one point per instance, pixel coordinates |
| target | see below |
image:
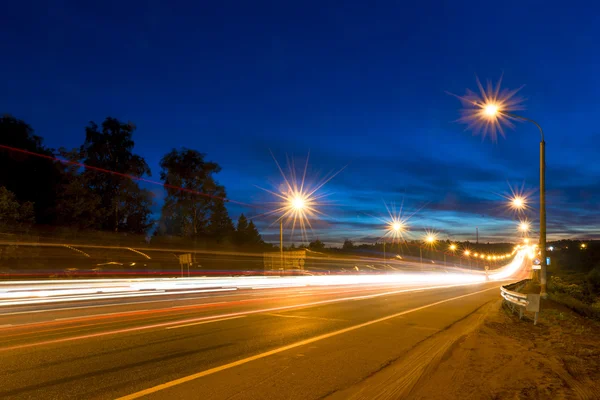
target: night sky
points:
(360, 85)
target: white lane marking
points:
(206, 322)
(95, 315)
(304, 317)
(211, 371)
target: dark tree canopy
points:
(191, 192)
(125, 206)
(12, 212)
(316, 245)
(31, 178)
(220, 227)
(247, 234)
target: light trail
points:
(43, 292)
(221, 316)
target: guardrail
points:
(522, 301)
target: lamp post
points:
(492, 109)
(430, 241)
(452, 248)
(395, 229)
(296, 204)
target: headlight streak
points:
(42, 292)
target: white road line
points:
(211, 371)
(304, 317)
(206, 322)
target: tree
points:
(253, 237)
(126, 206)
(11, 212)
(316, 245)
(348, 245)
(29, 177)
(241, 233)
(247, 234)
(191, 192)
(220, 227)
(77, 205)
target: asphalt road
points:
(288, 343)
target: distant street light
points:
(518, 203)
(395, 228)
(491, 109)
(467, 253)
(429, 240)
(524, 226)
(583, 245)
(452, 248)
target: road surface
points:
(313, 340)
(304, 342)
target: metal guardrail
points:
(522, 301)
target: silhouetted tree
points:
(191, 189)
(241, 232)
(11, 212)
(348, 245)
(30, 178)
(253, 237)
(77, 205)
(126, 206)
(316, 245)
(220, 227)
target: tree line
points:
(105, 195)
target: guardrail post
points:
(520, 312)
(535, 319)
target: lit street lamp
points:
(490, 110)
(430, 240)
(452, 248)
(294, 204)
(395, 228)
(518, 203)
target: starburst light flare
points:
(486, 112)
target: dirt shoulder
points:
(494, 355)
(510, 359)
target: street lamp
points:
(429, 240)
(524, 227)
(452, 248)
(491, 110)
(467, 253)
(395, 228)
(518, 203)
(295, 204)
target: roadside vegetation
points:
(574, 276)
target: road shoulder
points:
(492, 354)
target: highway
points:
(307, 340)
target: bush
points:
(559, 286)
(576, 305)
(592, 280)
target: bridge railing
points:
(521, 301)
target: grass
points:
(576, 305)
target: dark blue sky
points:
(360, 84)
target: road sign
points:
(536, 267)
(547, 260)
